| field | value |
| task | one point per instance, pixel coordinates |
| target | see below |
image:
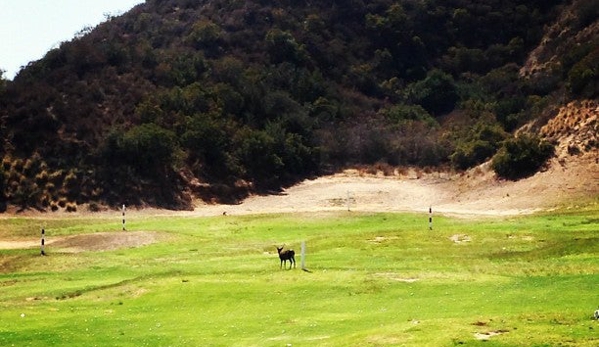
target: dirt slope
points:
(477, 192)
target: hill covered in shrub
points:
(178, 99)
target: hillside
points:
(178, 100)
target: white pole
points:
(348, 201)
(303, 255)
(43, 242)
(124, 229)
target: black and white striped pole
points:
(430, 218)
(124, 228)
(43, 252)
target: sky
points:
(30, 28)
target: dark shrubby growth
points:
(437, 93)
(583, 77)
(521, 156)
(259, 95)
(477, 145)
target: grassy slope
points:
(216, 282)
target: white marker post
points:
(124, 229)
(304, 255)
(43, 252)
(348, 201)
(430, 218)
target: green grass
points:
(374, 280)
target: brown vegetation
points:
(575, 128)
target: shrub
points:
(62, 202)
(54, 206)
(45, 199)
(582, 78)
(477, 145)
(521, 157)
(149, 149)
(6, 164)
(282, 46)
(17, 165)
(71, 207)
(437, 93)
(205, 34)
(50, 187)
(94, 207)
(3, 185)
(469, 154)
(41, 177)
(400, 114)
(56, 176)
(70, 182)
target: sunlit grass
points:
(373, 280)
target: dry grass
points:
(575, 128)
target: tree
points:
(150, 150)
(3, 201)
(2, 82)
(207, 36)
(437, 93)
(260, 159)
(282, 46)
(208, 146)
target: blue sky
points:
(30, 28)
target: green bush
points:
(400, 114)
(471, 153)
(521, 157)
(150, 149)
(437, 93)
(582, 78)
(205, 34)
(282, 46)
(209, 145)
(477, 144)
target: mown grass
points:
(374, 280)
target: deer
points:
(284, 255)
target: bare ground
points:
(474, 193)
(87, 242)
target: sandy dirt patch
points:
(460, 238)
(486, 336)
(477, 192)
(87, 242)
